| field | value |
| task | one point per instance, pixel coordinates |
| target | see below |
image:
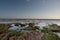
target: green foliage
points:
(37, 27)
(54, 27)
(46, 30)
(0, 38)
(2, 31)
(49, 35)
(31, 24)
(32, 27)
(15, 33)
(4, 28)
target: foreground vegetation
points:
(48, 34)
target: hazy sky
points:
(41, 9)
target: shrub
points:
(49, 35)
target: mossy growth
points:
(49, 35)
(32, 27)
(15, 33)
(0, 38)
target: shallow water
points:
(42, 23)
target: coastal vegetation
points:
(54, 27)
(32, 27)
(48, 33)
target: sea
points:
(40, 22)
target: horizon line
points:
(27, 18)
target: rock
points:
(33, 35)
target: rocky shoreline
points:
(31, 34)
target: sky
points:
(40, 9)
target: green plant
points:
(0, 38)
(49, 35)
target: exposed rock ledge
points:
(33, 35)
